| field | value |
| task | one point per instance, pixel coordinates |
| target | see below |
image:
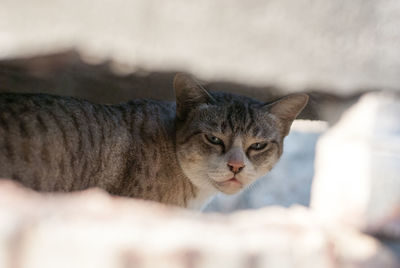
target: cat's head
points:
(224, 141)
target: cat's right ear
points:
(189, 93)
(286, 109)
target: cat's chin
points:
(230, 186)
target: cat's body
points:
(144, 149)
(63, 144)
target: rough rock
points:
(357, 177)
(344, 45)
(93, 229)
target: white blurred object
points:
(345, 45)
(289, 182)
(357, 176)
(93, 229)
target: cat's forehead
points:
(233, 116)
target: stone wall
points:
(342, 45)
(93, 229)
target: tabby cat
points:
(180, 154)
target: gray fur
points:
(138, 149)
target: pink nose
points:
(235, 166)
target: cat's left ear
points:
(189, 93)
(286, 109)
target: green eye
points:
(214, 140)
(258, 146)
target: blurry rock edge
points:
(92, 229)
(357, 177)
(344, 45)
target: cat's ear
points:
(286, 109)
(189, 93)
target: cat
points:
(179, 153)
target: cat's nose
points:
(236, 166)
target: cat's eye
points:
(214, 140)
(258, 146)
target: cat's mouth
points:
(230, 186)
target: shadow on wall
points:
(66, 73)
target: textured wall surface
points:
(92, 229)
(357, 178)
(344, 45)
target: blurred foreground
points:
(92, 229)
(342, 45)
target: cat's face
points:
(225, 142)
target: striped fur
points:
(136, 149)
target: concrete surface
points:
(92, 229)
(341, 45)
(358, 165)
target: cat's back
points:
(15, 107)
(31, 115)
(47, 141)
